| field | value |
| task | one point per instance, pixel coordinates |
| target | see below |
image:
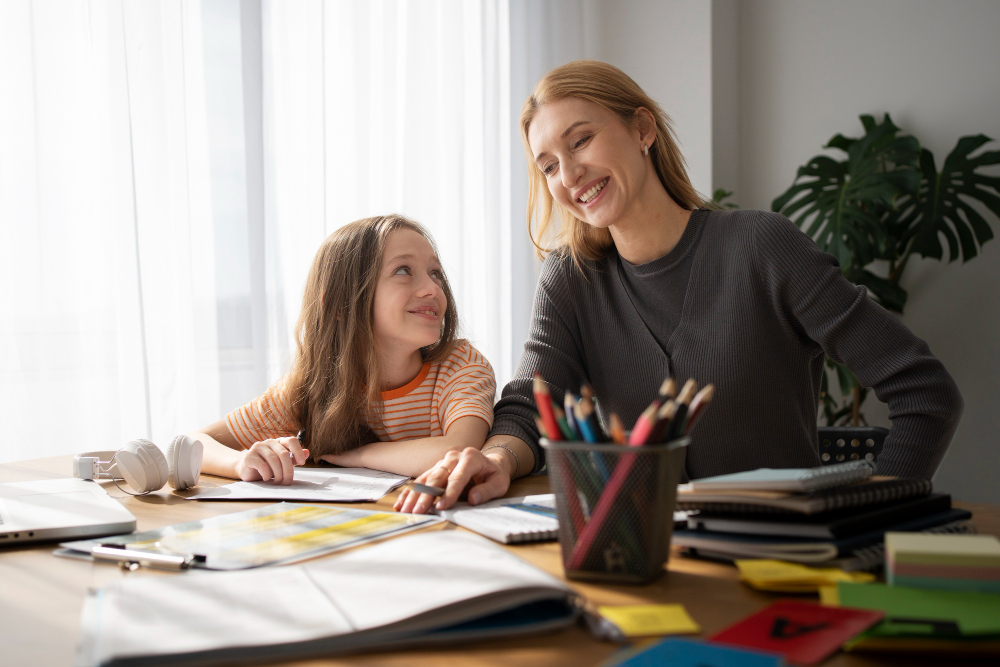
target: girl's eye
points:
(402, 271)
(437, 275)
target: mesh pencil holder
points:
(615, 506)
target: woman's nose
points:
(571, 172)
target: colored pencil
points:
(584, 423)
(683, 403)
(616, 428)
(668, 389)
(563, 423)
(645, 424)
(541, 427)
(569, 404)
(698, 405)
(664, 417)
(543, 400)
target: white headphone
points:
(143, 466)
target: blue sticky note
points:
(691, 653)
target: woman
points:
(646, 285)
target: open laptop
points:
(54, 509)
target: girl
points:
(379, 379)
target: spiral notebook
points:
(802, 480)
(509, 520)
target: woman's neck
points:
(651, 227)
(399, 367)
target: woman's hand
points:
(272, 460)
(456, 472)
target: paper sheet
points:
(335, 485)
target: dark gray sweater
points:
(762, 305)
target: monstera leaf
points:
(941, 205)
(841, 205)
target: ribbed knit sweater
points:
(761, 307)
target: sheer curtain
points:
(167, 170)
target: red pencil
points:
(543, 401)
(645, 424)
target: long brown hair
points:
(611, 88)
(334, 383)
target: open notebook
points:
(437, 587)
(509, 520)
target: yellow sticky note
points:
(776, 575)
(643, 620)
(829, 595)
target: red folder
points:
(803, 632)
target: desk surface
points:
(41, 595)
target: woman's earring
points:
(645, 149)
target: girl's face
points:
(409, 300)
(592, 162)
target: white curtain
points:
(168, 169)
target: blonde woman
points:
(379, 379)
(643, 283)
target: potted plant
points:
(886, 202)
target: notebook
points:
(870, 492)
(832, 526)
(435, 587)
(509, 520)
(791, 479)
(801, 549)
(690, 653)
(54, 509)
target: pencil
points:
(544, 403)
(683, 403)
(668, 389)
(664, 417)
(698, 405)
(645, 424)
(617, 430)
(563, 423)
(541, 427)
(583, 421)
(569, 403)
(587, 396)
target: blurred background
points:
(168, 169)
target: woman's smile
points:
(593, 192)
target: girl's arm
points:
(268, 460)
(413, 457)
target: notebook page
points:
(181, 613)
(402, 578)
(503, 518)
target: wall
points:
(806, 71)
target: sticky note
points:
(780, 576)
(642, 620)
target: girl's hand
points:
(272, 460)
(456, 472)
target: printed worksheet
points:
(332, 485)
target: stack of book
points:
(943, 562)
(832, 516)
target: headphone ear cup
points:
(150, 470)
(184, 456)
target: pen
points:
(435, 491)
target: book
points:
(509, 520)
(269, 535)
(690, 653)
(788, 479)
(874, 491)
(832, 525)
(802, 549)
(435, 587)
(944, 562)
(805, 633)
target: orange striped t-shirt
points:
(461, 385)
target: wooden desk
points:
(41, 596)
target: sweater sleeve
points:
(552, 348)
(812, 297)
(267, 416)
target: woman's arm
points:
(488, 473)
(412, 457)
(273, 459)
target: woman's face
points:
(409, 299)
(593, 163)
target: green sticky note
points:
(915, 612)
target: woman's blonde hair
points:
(334, 382)
(611, 88)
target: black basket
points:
(621, 536)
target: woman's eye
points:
(581, 142)
(402, 271)
(548, 169)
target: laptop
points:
(54, 509)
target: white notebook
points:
(509, 520)
(802, 480)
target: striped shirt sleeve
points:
(469, 387)
(267, 416)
